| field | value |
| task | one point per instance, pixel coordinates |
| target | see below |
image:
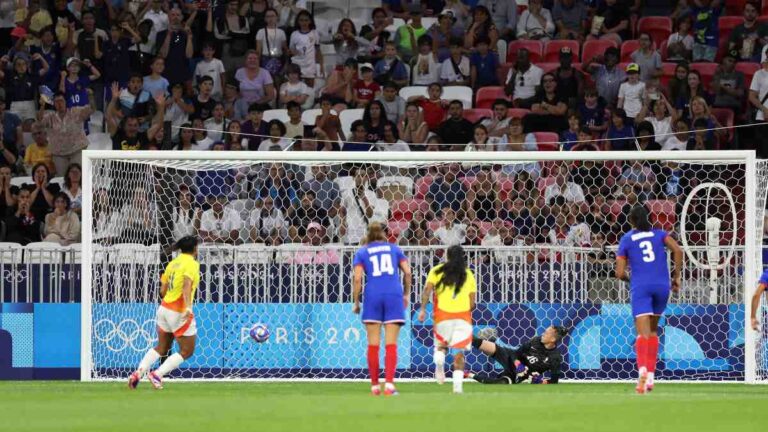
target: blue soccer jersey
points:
(77, 92)
(764, 278)
(646, 254)
(381, 262)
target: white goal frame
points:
(748, 158)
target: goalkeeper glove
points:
(520, 369)
(536, 378)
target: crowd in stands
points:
(405, 75)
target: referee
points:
(531, 360)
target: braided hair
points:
(454, 271)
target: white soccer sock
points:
(649, 381)
(169, 364)
(149, 359)
(439, 360)
(458, 380)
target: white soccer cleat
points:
(156, 381)
(641, 384)
(440, 376)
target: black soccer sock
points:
(503, 379)
(476, 342)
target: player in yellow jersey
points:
(174, 318)
(454, 289)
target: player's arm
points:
(621, 269)
(163, 285)
(677, 259)
(406, 269)
(425, 296)
(521, 370)
(554, 373)
(357, 287)
(186, 292)
(756, 304)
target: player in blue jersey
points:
(384, 302)
(762, 284)
(644, 250)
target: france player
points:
(385, 300)
(762, 284)
(644, 248)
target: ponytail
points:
(638, 218)
(454, 271)
(376, 232)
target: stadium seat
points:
(659, 27)
(501, 49)
(502, 73)
(487, 95)
(476, 114)
(276, 114)
(428, 22)
(462, 93)
(410, 91)
(662, 213)
(707, 71)
(58, 181)
(748, 69)
(396, 227)
(548, 66)
(422, 186)
(347, 117)
(396, 24)
(535, 48)
(726, 25)
(547, 141)
(725, 117)
(518, 112)
(667, 72)
(762, 19)
(19, 181)
(734, 7)
(403, 209)
(663, 50)
(627, 48)
(593, 48)
(552, 50)
(10, 253)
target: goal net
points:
(280, 229)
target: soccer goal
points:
(541, 229)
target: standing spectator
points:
(503, 15)
(69, 140)
(569, 79)
(607, 75)
(570, 17)
(394, 105)
(549, 109)
(339, 85)
(62, 226)
(447, 190)
(296, 90)
(455, 129)
(728, 84)
(455, 70)
(408, 34)
(156, 15)
(155, 83)
(90, 39)
(7, 18)
(220, 223)
(256, 84)
(376, 34)
(758, 95)
(21, 85)
(8, 193)
(38, 151)
(76, 86)
(748, 38)
(176, 47)
(236, 107)
(12, 134)
(647, 58)
(450, 233)
(304, 47)
(134, 100)
(124, 130)
(345, 41)
(232, 30)
(535, 23)
(116, 54)
(360, 207)
(482, 27)
(271, 44)
(216, 125)
(680, 42)
(211, 67)
(22, 226)
(522, 80)
(706, 31)
(611, 22)
(631, 93)
(53, 53)
(444, 33)
(484, 65)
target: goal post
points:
(541, 249)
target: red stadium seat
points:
(548, 67)
(422, 186)
(474, 115)
(725, 117)
(502, 72)
(487, 95)
(748, 69)
(547, 141)
(762, 19)
(707, 71)
(659, 27)
(627, 48)
(735, 7)
(593, 48)
(552, 50)
(518, 112)
(764, 11)
(662, 213)
(404, 209)
(663, 50)
(536, 49)
(395, 227)
(667, 72)
(726, 25)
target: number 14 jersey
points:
(646, 254)
(381, 262)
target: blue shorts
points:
(649, 300)
(383, 309)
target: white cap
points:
(370, 66)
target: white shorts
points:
(454, 333)
(170, 321)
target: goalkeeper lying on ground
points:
(531, 360)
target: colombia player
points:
(644, 250)
(174, 315)
(384, 301)
(455, 289)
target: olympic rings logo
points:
(126, 334)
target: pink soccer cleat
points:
(133, 380)
(641, 384)
(156, 381)
(376, 390)
(390, 390)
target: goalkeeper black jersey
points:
(539, 359)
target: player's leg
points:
(164, 341)
(440, 351)
(185, 333)
(659, 304)
(373, 332)
(461, 339)
(642, 310)
(501, 379)
(486, 347)
(391, 333)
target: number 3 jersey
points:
(381, 262)
(647, 257)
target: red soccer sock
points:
(390, 363)
(373, 363)
(641, 350)
(653, 353)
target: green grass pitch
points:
(319, 407)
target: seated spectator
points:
(706, 31)
(200, 136)
(8, 192)
(364, 90)
(217, 123)
(338, 89)
(483, 197)
(606, 74)
(517, 140)
(450, 232)
(418, 232)
(203, 103)
(444, 33)
(728, 83)
(473, 236)
(455, 130)
(315, 237)
(681, 138)
(570, 137)
(481, 27)
(326, 191)
(154, 83)
(748, 38)
(233, 138)
(646, 138)
(374, 118)
(296, 90)
(640, 177)
(294, 127)
(481, 141)
(447, 190)
(657, 112)
(62, 226)
(680, 42)
(433, 107)
(328, 126)
(455, 69)
(394, 105)
(278, 186)
(106, 218)
(38, 151)
(611, 22)
(359, 207)
(563, 187)
(631, 93)
(523, 80)
(647, 58)
(390, 140)
(593, 176)
(570, 17)
(620, 135)
(376, 34)
(125, 131)
(186, 215)
(309, 211)
(12, 134)
(236, 107)
(484, 65)
(700, 111)
(220, 223)
(503, 15)
(569, 79)
(359, 139)
(408, 34)
(43, 192)
(256, 85)
(702, 136)
(425, 66)
(255, 128)
(137, 222)
(592, 112)
(214, 68)
(22, 226)
(498, 124)
(72, 187)
(176, 107)
(549, 108)
(535, 23)
(277, 140)
(265, 218)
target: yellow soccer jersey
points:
(182, 266)
(447, 304)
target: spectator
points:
(483, 197)
(186, 216)
(256, 11)
(473, 235)
(345, 41)
(450, 233)
(53, 53)
(647, 58)
(326, 190)
(276, 132)
(154, 83)
(516, 140)
(339, 85)
(133, 100)
(522, 80)
(38, 151)
(43, 192)
(256, 84)
(376, 34)
(646, 137)
(678, 84)
(176, 108)
(535, 23)
(265, 219)
(211, 67)
(232, 31)
(758, 94)
(315, 237)
(658, 113)
(433, 107)
(611, 22)
(703, 138)
(175, 46)
(106, 218)
(570, 137)
(620, 135)
(236, 107)
(455, 130)
(216, 124)
(89, 39)
(455, 70)
(255, 128)
(444, 33)
(482, 27)
(679, 141)
(220, 223)
(447, 190)
(481, 141)
(631, 93)
(728, 84)
(271, 43)
(12, 134)
(296, 90)
(142, 52)
(374, 118)
(390, 140)
(503, 15)
(408, 34)
(294, 127)
(607, 75)
(8, 193)
(593, 177)
(32, 19)
(233, 137)
(640, 177)
(360, 207)
(364, 90)
(203, 104)
(22, 226)
(700, 111)
(569, 79)
(592, 112)
(695, 89)
(124, 132)
(498, 124)
(328, 126)
(62, 226)
(563, 187)
(308, 212)
(21, 85)
(425, 66)
(359, 139)
(394, 105)
(279, 187)
(418, 232)
(303, 47)
(67, 144)
(412, 128)
(200, 135)
(484, 65)
(680, 42)
(72, 187)
(748, 38)
(549, 108)
(706, 33)
(570, 17)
